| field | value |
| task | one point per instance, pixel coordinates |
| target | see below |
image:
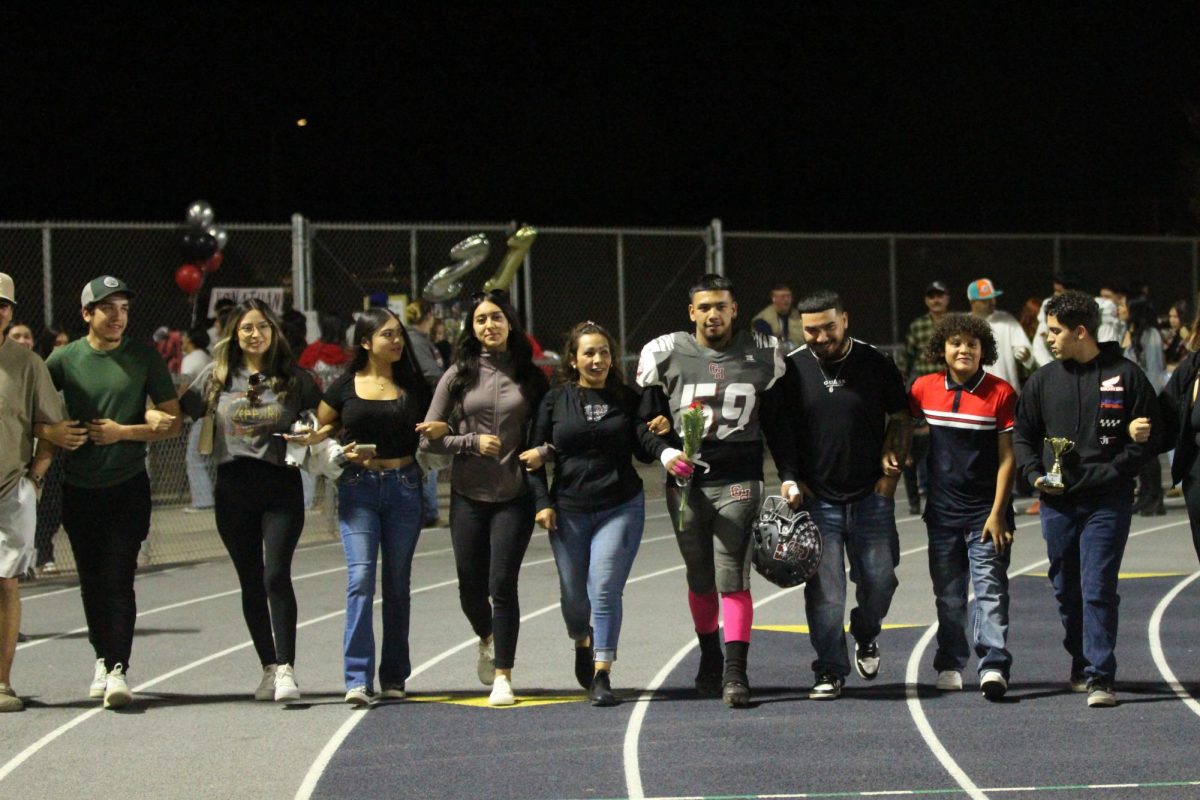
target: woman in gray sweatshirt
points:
(480, 414)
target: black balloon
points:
(196, 245)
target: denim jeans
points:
(199, 478)
(378, 510)
(429, 509)
(594, 552)
(954, 555)
(865, 533)
(1085, 543)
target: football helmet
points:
(787, 544)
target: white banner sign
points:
(271, 295)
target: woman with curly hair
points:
(969, 513)
(480, 414)
(254, 391)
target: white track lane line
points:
(914, 666)
(1156, 651)
(633, 728)
(28, 752)
(309, 784)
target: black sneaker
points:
(826, 686)
(866, 660)
(600, 692)
(1078, 681)
(1101, 694)
(583, 663)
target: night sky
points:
(898, 117)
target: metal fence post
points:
(708, 249)
(527, 287)
(1057, 254)
(1195, 269)
(412, 263)
(301, 282)
(48, 279)
(620, 295)
(718, 247)
(893, 281)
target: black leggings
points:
(260, 509)
(106, 528)
(1191, 497)
(489, 541)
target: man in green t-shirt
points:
(106, 381)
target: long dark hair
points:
(405, 372)
(529, 377)
(279, 365)
(1142, 317)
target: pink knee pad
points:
(704, 611)
(738, 609)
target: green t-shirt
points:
(109, 385)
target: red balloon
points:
(189, 278)
(213, 263)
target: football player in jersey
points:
(727, 373)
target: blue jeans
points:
(429, 509)
(594, 552)
(955, 554)
(865, 533)
(378, 509)
(1085, 543)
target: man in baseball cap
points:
(106, 379)
(33, 415)
(99, 288)
(1012, 345)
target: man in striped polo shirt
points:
(969, 514)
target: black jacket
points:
(1091, 404)
(594, 434)
(1175, 400)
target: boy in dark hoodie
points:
(1088, 395)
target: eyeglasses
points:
(249, 328)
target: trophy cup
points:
(1054, 479)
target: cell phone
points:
(365, 450)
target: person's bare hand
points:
(1139, 430)
(532, 459)
(547, 519)
(433, 430)
(997, 531)
(69, 434)
(659, 426)
(158, 421)
(105, 431)
(489, 445)
(1041, 486)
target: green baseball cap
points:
(99, 288)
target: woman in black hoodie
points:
(596, 511)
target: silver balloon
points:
(219, 234)
(447, 283)
(200, 214)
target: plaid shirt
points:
(915, 363)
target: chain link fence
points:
(633, 281)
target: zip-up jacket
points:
(494, 405)
(593, 435)
(1175, 401)
(1091, 404)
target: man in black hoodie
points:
(1088, 395)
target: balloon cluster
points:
(202, 246)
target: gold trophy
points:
(1061, 446)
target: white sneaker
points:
(485, 667)
(993, 684)
(949, 680)
(99, 679)
(358, 696)
(502, 693)
(286, 689)
(116, 690)
(266, 686)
